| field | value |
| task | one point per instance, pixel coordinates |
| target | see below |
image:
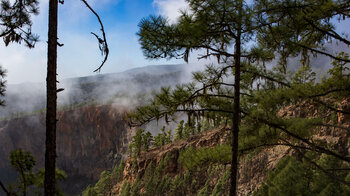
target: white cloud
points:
(14, 59)
(80, 48)
(170, 8)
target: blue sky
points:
(80, 54)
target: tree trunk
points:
(50, 153)
(236, 108)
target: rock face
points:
(89, 140)
(254, 167)
(252, 170)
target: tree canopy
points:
(253, 43)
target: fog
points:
(129, 88)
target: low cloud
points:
(170, 8)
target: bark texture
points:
(236, 107)
(51, 107)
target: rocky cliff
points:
(89, 140)
(253, 170)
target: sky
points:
(80, 54)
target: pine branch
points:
(273, 144)
(333, 34)
(319, 148)
(321, 52)
(330, 107)
(322, 169)
(266, 77)
(329, 92)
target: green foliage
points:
(136, 187)
(222, 186)
(164, 185)
(164, 137)
(204, 191)
(177, 186)
(28, 181)
(304, 75)
(16, 21)
(60, 175)
(292, 177)
(89, 191)
(136, 144)
(149, 181)
(193, 159)
(147, 140)
(141, 141)
(23, 163)
(179, 131)
(275, 31)
(104, 183)
(125, 191)
(206, 125)
(117, 173)
(189, 128)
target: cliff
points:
(252, 172)
(89, 140)
(166, 169)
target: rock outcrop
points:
(253, 168)
(89, 140)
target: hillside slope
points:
(89, 140)
(173, 169)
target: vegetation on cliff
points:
(265, 36)
(277, 100)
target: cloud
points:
(170, 8)
(80, 48)
(80, 55)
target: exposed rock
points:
(89, 140)
(252, 171)
(253, 168)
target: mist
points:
(130, 89)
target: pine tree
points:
(16, 21)
(23, 163)
(215, 26)
(16, 27)
(179, 131)
(286, 28)
(136, 145)
(147, 140)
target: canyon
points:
(89, 140)
(92, 130)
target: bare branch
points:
(4, 188)
(102, 42)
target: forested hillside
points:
(266, 88)
(93, 133)
(270, 115)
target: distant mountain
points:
(90, 138)
(22, 99)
